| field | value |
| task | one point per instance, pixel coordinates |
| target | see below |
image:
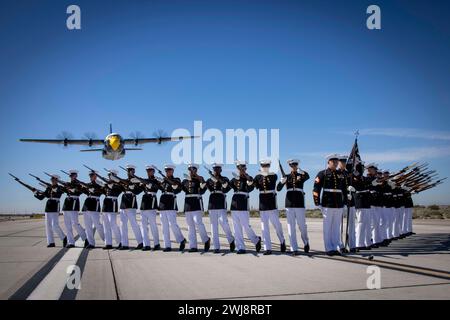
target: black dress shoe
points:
(86, 243)
(353, 250)
(90, 247)
(295, 253)
(283, 246)
(306, 249)
(139, 246)
(241, 251)
(232, 246)
(329, 253)
(216, 250)
(344, 250)
(65, 242)
(107, 247)
(374, 246)
(124, 248)
(207, 245)
(167, 249)
(182, 245)
(193, 250)
(51, 245)
(146, 248)
(69, 246)
(119, 246)
(337, 253)
(258, 245)
(157, 247)
(267, 252)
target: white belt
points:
(129, 192)
(74, 197)
(151, 193)
(267, 191)
(54, 199)
(373, 191)
(169, 193)
(362, 191)
(113, 198)
(388, 194)
(93, 197)
(333, 190)
(395, 196)
(217, 191)
(295, 189)
(243, 193)
(193, 196)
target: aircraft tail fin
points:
(110, 128)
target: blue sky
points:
(309, 68)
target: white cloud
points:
(407, 133)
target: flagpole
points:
(352, 153)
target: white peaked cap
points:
(291, 161)
(193, 165)
(150, 167)
(343, 157)
(332, 156)
(73, 171)
(169, 166)
(113, 171)
(217, 165)
(372, 165)
(265, 162)
(131, 166)
(55, 176)
(386, 171)
(240, 163)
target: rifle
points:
(123, 182)
(283, 173)
(63, 183)
(83, 184)
(105, 180)
(213, 176)
(141, 180)
(41, 181)
(165, 177)
(32, 189)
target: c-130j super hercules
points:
(114, 145)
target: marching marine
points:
(149, 205)
(295, 204)
(242, 184)
(170, 187)
(218, 186)
(71, 209)
(266, 183)
(110, 208)
(329, 195)
(194, 187)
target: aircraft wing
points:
(156, 140)
(83, 142)
(89, 150)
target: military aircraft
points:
(114, 145)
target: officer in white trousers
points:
(361, 193)
(409, 205)
(266, 182)
(295, 205)
(168, 208)
(218, 187)
(331, 184)
(91, 210)
(110, 209)
(149, 205)
(53, 194)
(242, 184)
(71, 209)
(376, 205)
(194, 186)
(388, 212)
(128, 208)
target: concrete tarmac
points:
(417, 267)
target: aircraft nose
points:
(114, 142)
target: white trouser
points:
(332, 219)
(148, 217)
(409, 212)
(91, 220)
(125, 216)
(169, 221)
(217, 216)
(351, 228)
(194, 221)
(241, 220)
(362, 230)
(70, 222)
(110, 226)
(383, 224)
(377, 236)
(387, 215)
(273, 217)
(52, 224)
(404, 225)
(396, 222)
(296, 216)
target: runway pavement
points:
(417, 267)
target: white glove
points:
(301, 172)
(351, 189)
(249, 182)
(375, 182)
(72, 190)
(214, 179)
(283, 180)
(174, 186)
(131, 186)
(391, 184)
(225, 185)
(349, 197)
(134, 180)
(91, 190)
(149, 186)
(202, 185)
